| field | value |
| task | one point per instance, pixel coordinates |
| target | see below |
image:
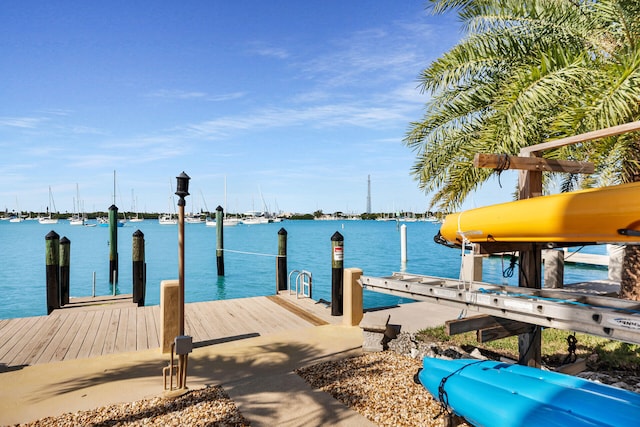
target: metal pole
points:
(403, 243)
(181, 204)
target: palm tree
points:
(524, 73)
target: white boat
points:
(171, 217)
(48, 219)
(18, 216)
(77, 218)
(254, 220)
(134, 208)
(167, 219)
(194, 218)
(226, 222)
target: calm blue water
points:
(373, 246)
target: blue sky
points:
(294, 102)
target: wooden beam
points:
(508, 329)
(493, 325)
(473, 323)
(495, 161)
(589, 136)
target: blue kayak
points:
(494, 394)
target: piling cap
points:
(138, 233)
(219, 208)
(337, 237)
(113, 208)
(52, 235)
(65, 241)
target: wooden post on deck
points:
(52, 263)
(530, 276)
(220, 240)
(139, 268)
(113, 245)
(281, 261)
(65, 258)
(337, 273)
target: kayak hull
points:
(489, 393)
(599, 215)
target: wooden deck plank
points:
(67, 340)
(152, 329)
(81, 335)
(47, 332)
(90, 336)
(200, 329)
(121, 334)
(141, 331)
(131, 341)
(101, 334)
(48, 354)
(280, 319)
(110, 339)
(16, 343)
(11, 334)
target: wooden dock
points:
(113, 325)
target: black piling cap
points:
(219, 208)
(65, 241)
(337, 237)
(52, 235)
(282, 232)
(138, 233)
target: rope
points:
(253, 253)
(504, 162)
(443, 398)
(508, 272)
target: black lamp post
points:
(182, 191)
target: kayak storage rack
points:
(563, 309)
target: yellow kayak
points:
(598, 215)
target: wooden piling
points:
(220, 240)
(553, 268)
(281, 261)
(65, 261)
(52, 260)
(113, 244)
(139, 268)
(337, 273)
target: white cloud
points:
(22, 122)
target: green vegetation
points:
(611, 355)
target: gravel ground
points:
(209, 406)
(379, 386)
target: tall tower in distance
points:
(368, 194)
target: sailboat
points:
(77, 218)
(18, 217)
(134, 208)
(226, 222)
(48, 219)
(170, 217)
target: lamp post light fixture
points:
(182, 187)
(182, 191)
